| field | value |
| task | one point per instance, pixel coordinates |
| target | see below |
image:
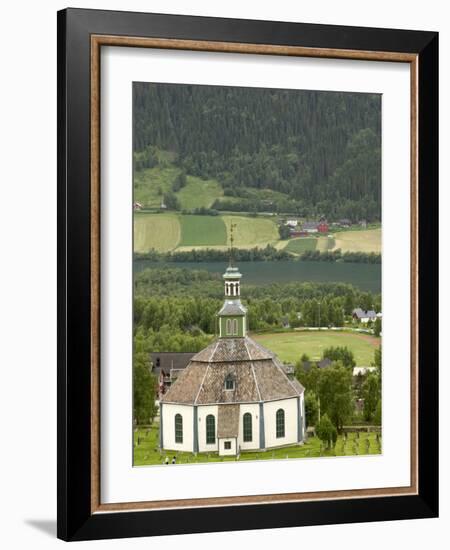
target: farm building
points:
(362, 316)
(234, 395)
(322, 227)
(291, 223)
(310, 227)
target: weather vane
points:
(232, 227)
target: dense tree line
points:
(256, 254)
(320, 149)
(186, 300)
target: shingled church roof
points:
(258, 374)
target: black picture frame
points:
(75, 518)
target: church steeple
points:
(233, 315)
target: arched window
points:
(210, 429)
(229, 329)
(178, 428)
(248, 433)
(280, 423)
(235, 327)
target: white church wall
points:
(253, 409)
(290, 418)
(202, 413)
(187, 412)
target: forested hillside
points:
(321, 151)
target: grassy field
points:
(202, 231)
(359, 241)
(150, 185)
(289, 346)
(158, 231)
(250, 232)
(199, 193)
(146, 450)
(297, 246)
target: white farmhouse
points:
(234, 395)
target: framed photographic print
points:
(247, 274)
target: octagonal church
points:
(234, 395)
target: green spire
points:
(233, 315)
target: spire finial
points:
(232, 227)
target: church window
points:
(280, 423)
(235, 327)
(227, 445)
(229, 328)
(248, 436)
(178, 428)
(210, 429)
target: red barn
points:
(322, 227)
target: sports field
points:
(158, 231)
(359, 241)
(290, 346)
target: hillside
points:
(248, 149)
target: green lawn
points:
(158, 231)
(146, 450)
(202, 231)
(290, 346)
(359, 241)
(301, 244)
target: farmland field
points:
(250, 232)
(324, 244)
(359, 241)
(158, 231)
(202, 231)
(297, 246)
(289, 346)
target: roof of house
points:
(258, 373)
(170, 360)
(324, 363)
(310, 225)
(361, 314)
(228, 421)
